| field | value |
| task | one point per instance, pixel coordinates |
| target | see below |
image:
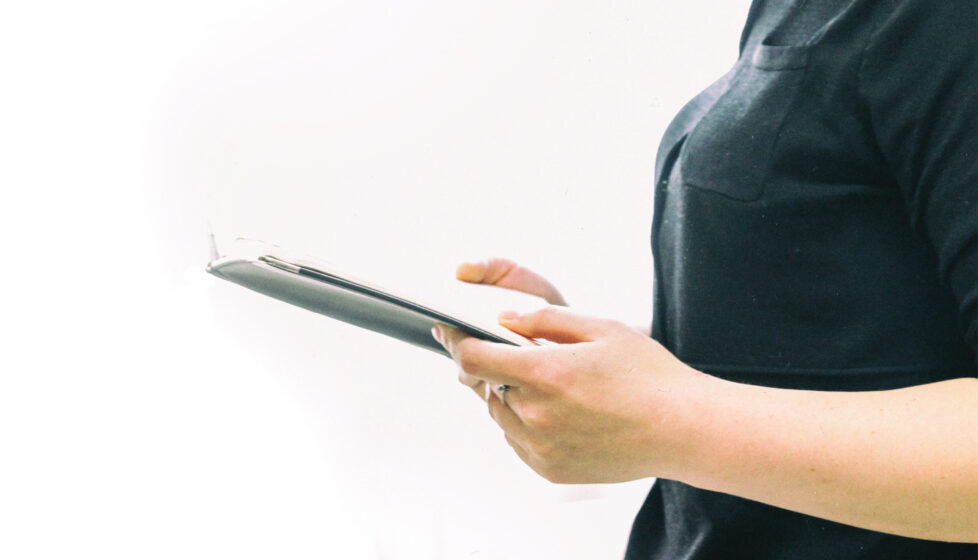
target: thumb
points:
(557, 324)
(505, 273)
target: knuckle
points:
(468, 361)
(498, 268)
(547, 313)
(468, 380)
(541, 450)
(536, 417)
(558, 454)
(553, 469)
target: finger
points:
(487, 361)
(506, 418)
(557, 324)
(499, 391)
(466, 379)
(505, 273)
(480, 390)
(519, 449)
(477, 385)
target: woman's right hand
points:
(504, 273)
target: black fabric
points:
(815, 228)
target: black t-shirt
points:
(815, 228)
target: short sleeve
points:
(920, 85)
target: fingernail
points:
(471, 271)
(436, 334)
(508, 316)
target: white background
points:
(150, 411)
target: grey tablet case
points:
(316, 287)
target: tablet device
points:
(319, 287)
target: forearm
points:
(902, 461)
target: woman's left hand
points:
(605, 404)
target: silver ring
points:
(502, 392)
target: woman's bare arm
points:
(903, 461)
(608, 404)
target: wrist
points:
(694, 405)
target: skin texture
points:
(609, 404)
